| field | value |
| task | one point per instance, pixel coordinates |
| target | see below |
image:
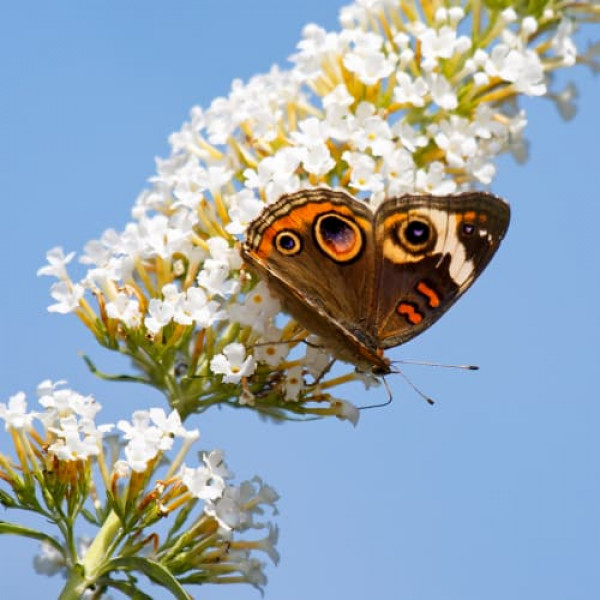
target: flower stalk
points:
(409, 96)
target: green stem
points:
(85, 574)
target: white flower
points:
(196, 307)
(294, 383)
(236, 509)
(366, 58)
(374, 133)
(562, 43)
(215, 462)
(160, 314)
(456, 139)
(441, 91)
(218, 177)
(233, 363)
(139, 452)
(409, 90)
(15, 413)
(215, 278)
(67, 296)
(311, 132)
(261, 300)
(202, 483)
(456, 14)
(565, 101)
(71, 444)
(125, 309)
(171, 426)
(227, 510)
(276, 174)
(441, 43)
(434, 180)
(57, 261)
(61, 403)
(317, 159)
(271, 353)
(267, 544)
(483, 170)
(345, 410)
(265, 494)
(49, 560)
(221, 251)
(521, 67)
(146, 440)
(244, 206)
(399, 172)
(190, 182)
(159, 237)
(409, 136)
(171, 293)
(364, 176)
(338, 100)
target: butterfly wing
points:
(316, 250)
(431, 249)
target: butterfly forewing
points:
(316, 249)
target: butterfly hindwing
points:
(430, 249)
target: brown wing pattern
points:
(317, 252)
(366, 281)
(431, 249)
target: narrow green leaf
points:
(30, 533)
(153, 570)
(7, 500)
(90, 516)
(128, 588)
(92, 367)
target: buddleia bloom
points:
(403, 98)
(111, 479)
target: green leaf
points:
(152, 569)
(30, 533)
(129, 589)
(89, 516)
(7, 500)
(92, 367)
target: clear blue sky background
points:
(494, 493)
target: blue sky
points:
(494, 492)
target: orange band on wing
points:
(432, 297)
(409, 312)
(300, 218)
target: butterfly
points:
(366, 279)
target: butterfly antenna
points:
(386, 403)
(425, 397)
(426, 363)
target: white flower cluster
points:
(150, 433)
(397, 101)
(73, 435)
(68, 417)
(238, 506)
(62, 462)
